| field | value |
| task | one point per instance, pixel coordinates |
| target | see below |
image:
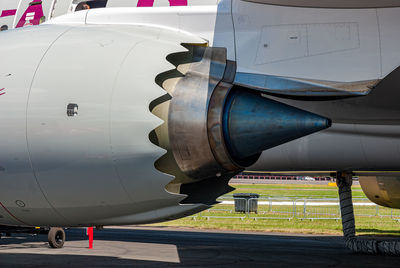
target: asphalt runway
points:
(170, 247)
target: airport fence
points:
(286, 208)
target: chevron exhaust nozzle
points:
(214, 129)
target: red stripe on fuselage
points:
(6, 13)
(12, 214)
(150, 3)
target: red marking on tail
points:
(32, 15)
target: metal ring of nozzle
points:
(195, 117)
(215, 127)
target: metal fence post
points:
(270, 204)
(248, 207)
(286, 208)
(294, 209)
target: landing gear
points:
(56, 237)
(344, 181)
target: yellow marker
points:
(333, 184)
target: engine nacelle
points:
(121, 124)
(382, 190)
(75, 118)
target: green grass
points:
(295, 191)
(373, 224)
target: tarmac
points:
(178, 247)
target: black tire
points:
(56, 237)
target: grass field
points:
(369, 221)
(294, 190)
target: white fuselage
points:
(300, 42)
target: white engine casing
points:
(96, 167)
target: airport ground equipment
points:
(9, 230)
(344, 181)
(56, 235)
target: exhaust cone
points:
(252, 124)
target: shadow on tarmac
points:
(193, 248)
(60, 260)
(372, 230)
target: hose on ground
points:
(344, 182)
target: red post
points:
(89, 233)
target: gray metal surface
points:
(382, 190)
(379, 107)
(188, 114)
(365, 134)
(302, 87)
(255, 124)
(215, 127)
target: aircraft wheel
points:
(56, 237)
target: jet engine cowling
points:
(121, 124)
(382, 190)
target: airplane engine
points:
(113, 124)
(382, 190)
